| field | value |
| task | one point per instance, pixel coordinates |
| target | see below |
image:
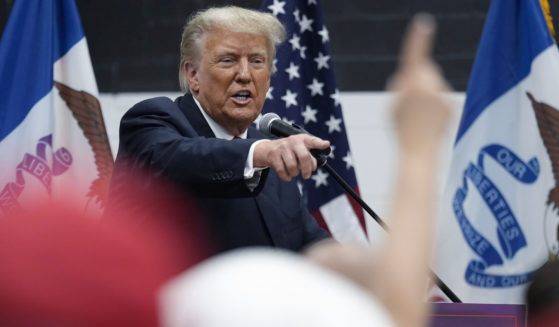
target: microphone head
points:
(265, 123)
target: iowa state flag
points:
(500, 220)
(52, 136)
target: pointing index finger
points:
(316, 143)
(418, 42)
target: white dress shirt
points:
(222, 133)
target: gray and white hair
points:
(231, 18)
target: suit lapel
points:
(261, 195)
(194, 116)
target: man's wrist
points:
(251, 166)
(259, 153)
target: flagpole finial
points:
(547, 14)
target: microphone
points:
(272, 125)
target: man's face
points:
(231, 77)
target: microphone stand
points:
(321, 160)
(284, 130)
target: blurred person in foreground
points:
(63, 267)
(204, 143)
(263, 287)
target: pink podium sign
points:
(478, 315)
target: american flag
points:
(303, 91)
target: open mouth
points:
(242, 96)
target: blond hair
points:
(231, 18)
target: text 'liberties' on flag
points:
(499, 220)
(53, 142)
(303, 91)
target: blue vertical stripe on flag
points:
(37, 34)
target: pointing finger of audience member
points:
(418, 42)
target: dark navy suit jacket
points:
(172, 140)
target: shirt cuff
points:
(249, 164)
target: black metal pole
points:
(322, 162)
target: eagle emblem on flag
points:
(86, 109)
(547, 118)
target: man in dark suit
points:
(204, 142)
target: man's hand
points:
(290, 155)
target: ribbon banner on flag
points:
(303, 91)
(499, 219)
(53, 142)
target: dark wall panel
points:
(134, 44)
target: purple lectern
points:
(478, 315)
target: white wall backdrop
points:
(371, 134)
